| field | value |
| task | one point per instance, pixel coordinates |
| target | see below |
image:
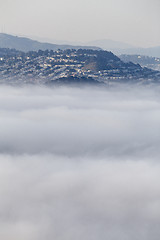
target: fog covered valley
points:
(79, 163)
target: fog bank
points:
(79, 163)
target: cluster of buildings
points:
(44, 66)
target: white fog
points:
(79, 163)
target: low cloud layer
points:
(80, 122)
(79, 163)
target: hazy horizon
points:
(130, 21)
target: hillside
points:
(66, 66)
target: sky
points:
(132, 21)
(79, 163)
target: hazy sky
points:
(132, 21)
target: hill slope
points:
(69, 66)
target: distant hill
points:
(120, 48)
(144, 61)
(151, 52)
(108, 44)
(26, 44)
(139, 59)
